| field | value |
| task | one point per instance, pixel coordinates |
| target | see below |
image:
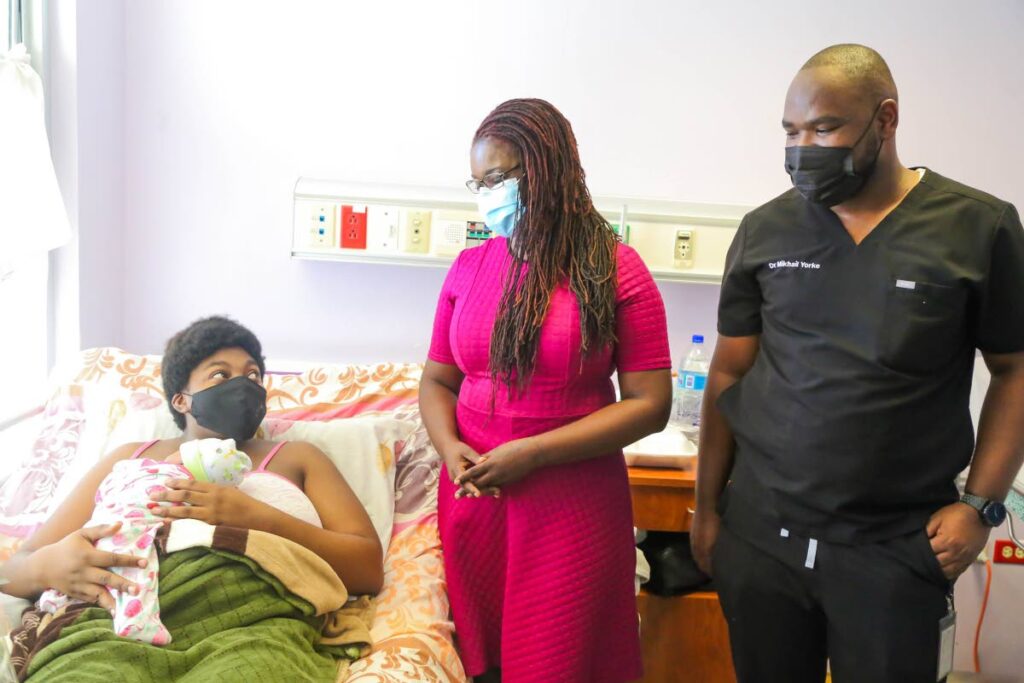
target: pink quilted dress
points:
(541, 579)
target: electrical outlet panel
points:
(476, 233)
(321, 225)
(415, 231)
(353, 227)
(449, 235)
(1007, 552)
(683, 252)
(382, 228)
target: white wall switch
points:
(382, 228)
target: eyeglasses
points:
(491, 181)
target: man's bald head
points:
(863, 70)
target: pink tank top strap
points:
(143, 448)
(270, 456)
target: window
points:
(23, 301)
(8, 8)
(23, 336)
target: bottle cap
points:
(698, 339)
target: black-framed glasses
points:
(491, 181)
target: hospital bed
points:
(109, 396)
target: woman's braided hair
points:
(558, 236)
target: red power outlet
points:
(353, 228)
(1007, 552)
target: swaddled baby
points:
(124, 496)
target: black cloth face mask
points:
(825, 175)
(234, 409)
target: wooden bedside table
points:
(685, 638)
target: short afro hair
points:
(197, 342)
(862, 66)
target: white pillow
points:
(363, 449)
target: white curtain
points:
(32, 215)
(33, 223)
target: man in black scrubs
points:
(837, 399)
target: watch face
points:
(994, 513)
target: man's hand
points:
(703, 536)
(958, 537)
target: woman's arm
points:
(644, 409)
(439, 394)
(61, 554)
(348, 541)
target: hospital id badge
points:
(947, 636)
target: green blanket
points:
(230, 620)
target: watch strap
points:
(976, 502)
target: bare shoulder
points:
(306, 463)
(292, 451)
(305, 451)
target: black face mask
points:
(825, 175)
(233, 409)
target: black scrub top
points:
(854, 420)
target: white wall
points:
(224, 104)
(101, 182)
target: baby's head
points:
(215, 460)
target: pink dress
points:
(541, 579)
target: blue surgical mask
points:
(499, 207)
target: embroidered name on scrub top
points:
(794, 264)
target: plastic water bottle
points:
(689, 390)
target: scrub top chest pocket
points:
(923, 327)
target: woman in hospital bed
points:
(212, 374)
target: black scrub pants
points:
(872, 611)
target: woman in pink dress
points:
(534, 508)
